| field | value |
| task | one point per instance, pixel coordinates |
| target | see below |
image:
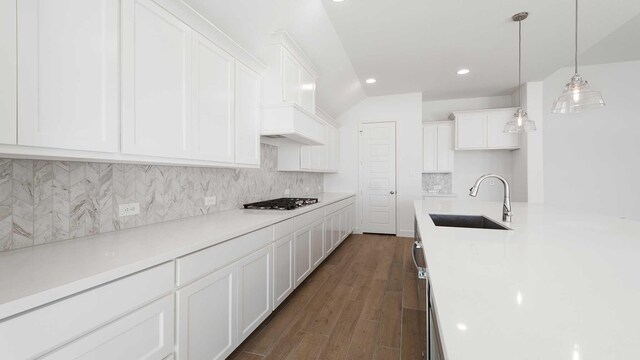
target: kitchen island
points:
(559, 285)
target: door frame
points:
(360, 203)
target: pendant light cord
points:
(519, 63)
(576, 40)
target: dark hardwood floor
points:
(361, 303)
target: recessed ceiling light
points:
(371, 81)
(463, 71)
(338, 0)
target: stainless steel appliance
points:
(432, 345)
(281, 204)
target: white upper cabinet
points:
(307, 90)
(483, 129)
(292, 77)
(156, 86)
(141, 81)
(496, 138)
(67, 53)
(213, 102)
(247, 116)
(438, 149)
(313, 158)
(8, 68)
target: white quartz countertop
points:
(35, 276)
(560, 285)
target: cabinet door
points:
(328, 234)
(302, 251)
(445, 152)
(146, 333)
(282, 269)
(207, 316)
(8, 69)
(68, 89)
(156, 86)
(471, 131)
(291, 78)
(247, 114)
(344, 224)
(495, 130)
(254, 291)
(333, 148)
(213, 121)
(335, 235)
(306, 155)
(307, 91)
(430, 148)
(317, 243)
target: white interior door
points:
(378, 177)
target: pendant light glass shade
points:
(520, 122)
(577, 95)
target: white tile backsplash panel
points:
(44, 201)
(433, 181)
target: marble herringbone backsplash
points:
(44, 201)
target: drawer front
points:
(146, 333)
(282, 229)
(44, 329)
(206, 261)
(339, 205)
(309, 218)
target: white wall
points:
(406, 111)
(527, 162)
(592, 159)
(469, 165)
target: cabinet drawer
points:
(193, 266)
(44, 329)
(283, 229)
(339, 205)
(146, 333)
(309, 218)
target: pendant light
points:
(577, 95)
(521, 122)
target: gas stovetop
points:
(281, 204)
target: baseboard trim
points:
(405, 233)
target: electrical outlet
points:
(492, 182)
(287, 191)
(319, 188)
(210, 201)
(129, 209)
(306, 189)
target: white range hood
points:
(289, 123)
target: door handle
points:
(392, 192)
(422, 272)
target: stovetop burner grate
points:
(281, 204)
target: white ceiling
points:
(251, 22)
(418, 45)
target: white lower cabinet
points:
(254, 291)
(343, 224)
(50, 327)
(146, 333)
(317, 243)
(207, 316)
(302, 250)
(283, 282)
(328, 235)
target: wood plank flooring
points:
(361, 303)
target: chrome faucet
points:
(506, 206)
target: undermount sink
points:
(466, 221)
